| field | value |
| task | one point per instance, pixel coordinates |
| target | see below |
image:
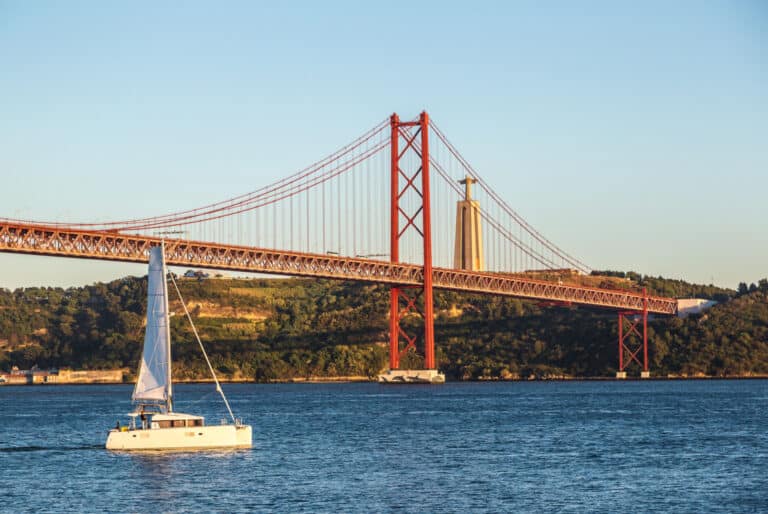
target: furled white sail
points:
(154, 382)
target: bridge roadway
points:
(115, 246)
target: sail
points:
(154, 382)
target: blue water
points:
(688, 446)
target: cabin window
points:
(164, 424)
(178, 422)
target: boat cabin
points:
(155, 420)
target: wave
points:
(15, 449)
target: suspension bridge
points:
(392, 207)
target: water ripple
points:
(502, 447)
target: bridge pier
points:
(412, 376)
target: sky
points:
(634, 135)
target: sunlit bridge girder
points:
(110, 246)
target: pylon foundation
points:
(412, 376)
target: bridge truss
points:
(60, 242)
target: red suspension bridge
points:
(382, 209)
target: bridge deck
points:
(65, 242)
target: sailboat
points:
(159, 427)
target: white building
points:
(688, 306)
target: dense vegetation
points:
(281, 329)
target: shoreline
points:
(361, 379)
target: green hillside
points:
(267, 329)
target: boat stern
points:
(243, 436)
(116, 439)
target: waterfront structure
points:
(62, 376)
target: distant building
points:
(64, 376)
(688, 306)
(107, 376)
(31, 376)
(199, 275)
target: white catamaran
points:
(159, 427)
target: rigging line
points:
(535, 233)
(230, 201)
(207, 360)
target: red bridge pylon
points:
(631, 341)
(403, 300)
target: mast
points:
(169, 386)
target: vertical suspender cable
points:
(309, 200)
(322, 209)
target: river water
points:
(673, 446)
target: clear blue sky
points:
(632, 134)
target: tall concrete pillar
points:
(468, 249)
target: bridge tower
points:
(405, 300)
(468, 249)
(631, 341)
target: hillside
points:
(267, 329)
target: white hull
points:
(181, 438)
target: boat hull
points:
(181, 438)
